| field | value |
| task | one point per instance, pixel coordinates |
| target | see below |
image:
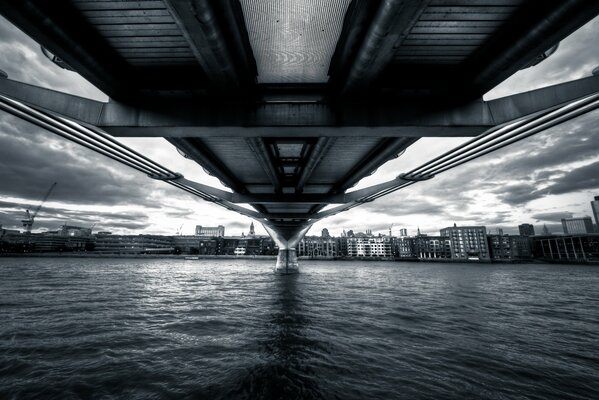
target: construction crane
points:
(179, 230)
(28, 222)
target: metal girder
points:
(304, 198)
(215, 36)
(195, 150)
(63, 31)
(192, 119)
(385, 151)
(536, 27)
(264, 158)
(320, 149)
(390, 26)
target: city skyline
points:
(540, 181)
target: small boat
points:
(192, 258)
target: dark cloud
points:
(30, 160)
(50, 218)
(515, 194)
(552, 216)
(583, 178)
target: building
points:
(325, 233)
(577, 225)
(595, 208)
(370, 246)
(403, 232)
(134, 244)
(404, 248)
(186, 244)
(468, 242)
(216, 231)
(69, 230)
(569, 248)
(521, 247)
(526, 230)
(432, 247)
(500, 247)
(313, 246)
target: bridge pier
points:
(287, 239)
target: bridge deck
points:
(282, 103)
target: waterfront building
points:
(595, 208)
(433, 247)
(268, 247)
(134, 244)
(404, 247)
(186, 244)
(217, 231)
(572, 248)
(69, 230)
(313, 246)
(526, 230)
(520, 247)
(342, 246)
(468, 242)
(500, 247)
(13, 242)
(577, 225)
(370, 246)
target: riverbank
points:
(192, 257)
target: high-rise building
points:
(252, 231)
(218, 231)
(526, 230)
(325, 233)
(577, 225)
(595, 208)
(403, 232)
(468, 242)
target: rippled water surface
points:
(219, 329)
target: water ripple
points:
(228, 329)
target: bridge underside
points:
(291, 103)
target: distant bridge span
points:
(290, 103)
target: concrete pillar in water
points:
(287, 239)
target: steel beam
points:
(188, 119)
(195, 150)
(207, 26)
(62, 29)
(264, 158)
(320, 149)
(390, 26)
(536, 27)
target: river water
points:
(220, 329)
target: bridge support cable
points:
(94, 139)
(501, 136)
(493, 140)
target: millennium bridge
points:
(291, 102)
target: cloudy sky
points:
(541, 180)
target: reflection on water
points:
(284, 371)
(223, 329)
